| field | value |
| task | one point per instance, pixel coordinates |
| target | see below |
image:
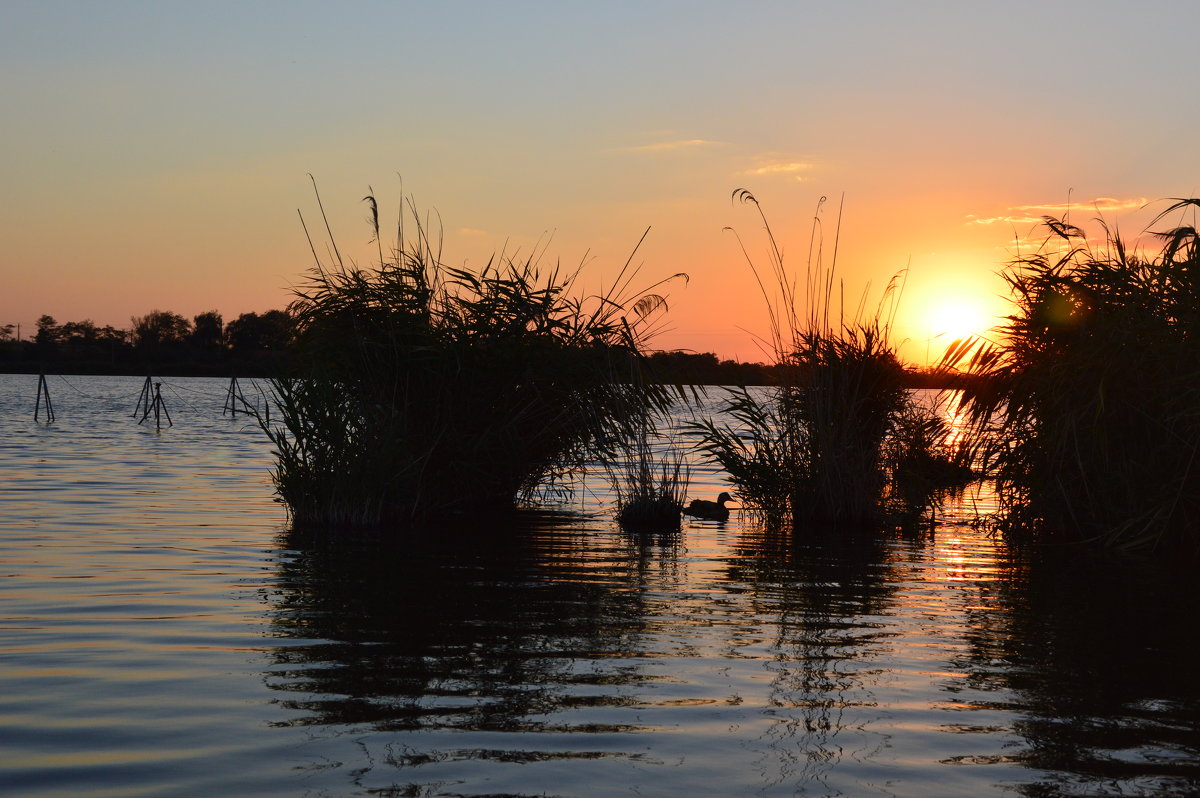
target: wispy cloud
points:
(772, 164)
(471, 231)
(1102, 204)
(1005, 219)
(794, 168)
(671, 146)
(1032, 214)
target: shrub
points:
(1088, 409)
(650, 478)
(823, 446)
(425, 391)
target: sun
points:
(951, 318)
(940, 320)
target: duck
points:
(709, 511)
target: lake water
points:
(162, 633)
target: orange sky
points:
(155, 157)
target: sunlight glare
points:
(951, 318)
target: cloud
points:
(672, 146)
(1101, 204)
(793, 168)
(471, 231)
(1023, 214)
(973, 219)
(770, 164)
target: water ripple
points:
(161, 633)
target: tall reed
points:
(425, 391)
(822, 446)
(650, 477)
(1088, 404)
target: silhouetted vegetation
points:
(402, 383)
(650, 478)
(1088, 408)
(423, 390)
(260, 344)
(161, 342)
(705, 368)
(830, 443)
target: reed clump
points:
(829, 443)
(1088, 410)
(929, 458)
(426, 391)
(650, 476)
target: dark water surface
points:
(161, 633)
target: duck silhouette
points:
(709, 511)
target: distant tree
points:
(244, 332)
(79, 332)
(47, 338)
(159, 329)
(279, 329)
(6, 331)
(253, 332)
(208, 331)
(48, 331)
(704, 368)
(89, 347)
(112, 335)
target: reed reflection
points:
(829, 593)
(496, 631)
(1096, 655)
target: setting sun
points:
(958, 317)
(944, 307)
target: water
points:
(161, 633)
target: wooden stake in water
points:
(43, 390)
(145, 399)
(158, 407)
(235, 401)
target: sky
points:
(156, 154)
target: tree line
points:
(261, 345)
(160, 342)
(253, 344)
